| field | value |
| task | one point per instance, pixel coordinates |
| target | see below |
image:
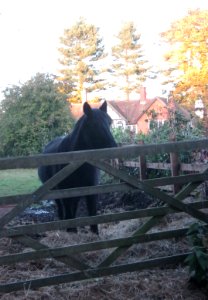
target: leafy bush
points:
(31, 115)
(125, 136)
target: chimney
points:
(143, 95)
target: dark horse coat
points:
(92, 131)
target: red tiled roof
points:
(131, 110)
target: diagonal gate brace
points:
(172, 201)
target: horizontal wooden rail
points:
(92, 246)
(67, 193)
(192, 167)
(99, 219)
(101, 189)
(35, 161)
(93, 273)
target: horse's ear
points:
(104, 107)
(87, 109)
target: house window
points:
(155, 124)
(119, 124)
(132, 128)
(160, 123)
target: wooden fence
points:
(175, 166)
(69, 254)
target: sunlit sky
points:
(30, 30)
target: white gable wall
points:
(118, 120)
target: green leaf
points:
(202, 259)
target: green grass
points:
(18, 181)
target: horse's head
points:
(96, 127)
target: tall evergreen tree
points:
(129, 63)
(31, 115)
(81, 54)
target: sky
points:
(30, 30)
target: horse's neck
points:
(80, 142)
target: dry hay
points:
(156, 284)
(149, 285)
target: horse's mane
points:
(70, 141)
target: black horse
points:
(92, 131)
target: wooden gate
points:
(69, 255)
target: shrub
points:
(197, 260)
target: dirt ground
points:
(164, 283)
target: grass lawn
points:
(18, 181)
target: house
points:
(137, 115)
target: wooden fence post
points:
(175, 168)
(142, 165)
